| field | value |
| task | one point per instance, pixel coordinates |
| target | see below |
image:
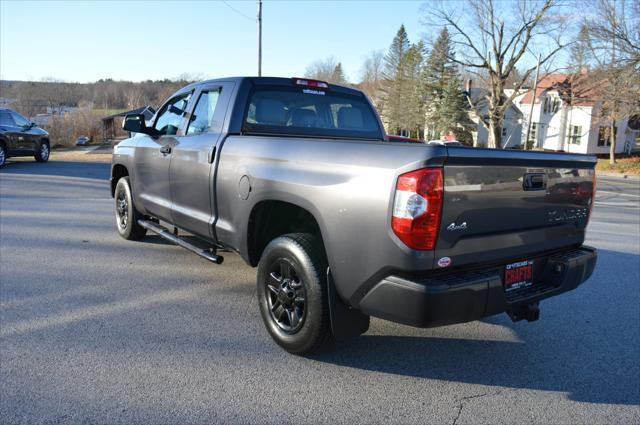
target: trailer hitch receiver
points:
(529, 312)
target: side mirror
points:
(135, 123)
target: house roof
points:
(585, 91)
(547, 82)
(479, 96)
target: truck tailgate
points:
(502, 205)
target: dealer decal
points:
(309, 91)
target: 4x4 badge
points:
(454, 226)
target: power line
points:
(237, 11)
(259, 38)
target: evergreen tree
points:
(454, 111)
(412, 100)
(394, 80)
(446, 107)
(397, 51)
(337, 76)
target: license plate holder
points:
(518, 275)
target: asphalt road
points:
(95, 329)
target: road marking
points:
(619, 204)
(617, 193)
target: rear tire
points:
(126, 214)
(42, 152)
(292, 293)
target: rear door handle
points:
(534, 181)
(165, 150)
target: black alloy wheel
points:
(292, 292)
(286, 296)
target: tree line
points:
(32, 97)
(419, 87)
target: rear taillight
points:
(417, 208)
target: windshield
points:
(312, 112)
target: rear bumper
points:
(471, 295)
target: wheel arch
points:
(117, 172)
(272, 218)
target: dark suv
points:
(21, 137)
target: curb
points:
(632, 177)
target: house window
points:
(604, 134)
(575, 134)
(533, 134)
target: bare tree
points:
(134, 96)
(328, 70)
(614, 42)
(492, 37)
(371, 77)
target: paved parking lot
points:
(95, 329)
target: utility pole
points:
(533, 101)
(259, 38)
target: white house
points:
(567, 116)
(511, 126)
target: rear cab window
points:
(310, 111)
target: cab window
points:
(201, 120)
(171, 115)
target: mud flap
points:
(346, 322)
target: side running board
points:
(166, 234)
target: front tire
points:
(126, 214)
(292, 293)
(3, 154)
(42, 152)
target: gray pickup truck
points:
(298, 177)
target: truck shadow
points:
(92, 170)
(587, 344)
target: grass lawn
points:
(80, 156)
(628, 165)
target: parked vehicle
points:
(446, 143)
(83, 140)
(21, 137)
(298, 177)
(402, 139)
